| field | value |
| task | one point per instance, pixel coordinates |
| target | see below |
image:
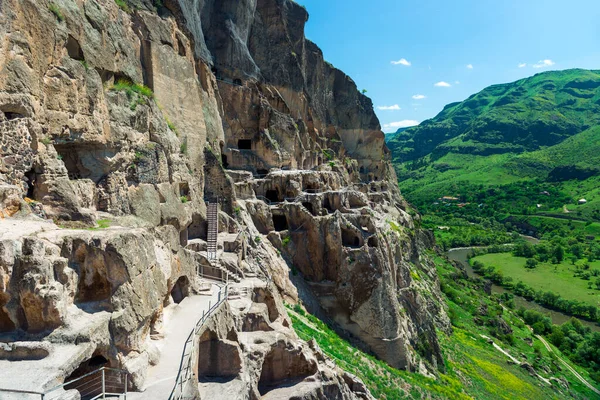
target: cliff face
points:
(238, 107)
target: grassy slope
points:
(507, 133)
(474, 368)
(538, 111)
(545, 277)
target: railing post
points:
(126, 384)
(103, 384)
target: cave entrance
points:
(74, 49)
(284, 367)
(218, 359)
(90, 387)
(273, 196)
(309, 207)
(372, 242)
(94, 290)
(184, 192)
(327, 204)
(280, 222)
(245, 144)
(183, 237)
(262, 172)
(6, 324)
(86, 162)
(224, 161)
(181, 289)
(31, 178)
(361, 170)
(350, 239)
(237, 82)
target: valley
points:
(508, 181)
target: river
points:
(461, 255)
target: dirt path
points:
(586, 383)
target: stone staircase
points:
(213, 230)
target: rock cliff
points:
(120, 121)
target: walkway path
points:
(586, 383)
(161, 378)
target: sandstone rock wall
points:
(118, 122)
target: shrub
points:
(131, 89)
(184, 199)
(54, 9)
(123, 6)
(286, 240)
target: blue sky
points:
(462, 46)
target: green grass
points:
(55, 9)
(103, 223)
(547, 277)
(132, 89)
(383, 381)
(475, 370)
(123, 6)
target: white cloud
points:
(544, 64)
(469, 66)
(395, 107)
(419, 97)
(442, 84)
(457, 82)
(522, 65)
(400, 124)
(402, 61)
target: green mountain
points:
(545, 128)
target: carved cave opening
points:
(224, 161)
(273, 196)
(184, 190)
(245, 144)
(74, 49)
(373, 242)
(94, 289)
(349, 238)
(89, 387)
(309, 207)
(218, 359)
(31, 179)
(327, 205)
(284, 367)
(6, 324)
(86, 162)
(262, 172)
(280, 222)
(181, 289)
(183, 237)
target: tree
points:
(531, 263)
(559, 253)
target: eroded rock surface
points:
(118, 126)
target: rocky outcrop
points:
(119, 122)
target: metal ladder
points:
(213, 230)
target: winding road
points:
(586, 383)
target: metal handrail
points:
(184, 376)
(102, 385)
